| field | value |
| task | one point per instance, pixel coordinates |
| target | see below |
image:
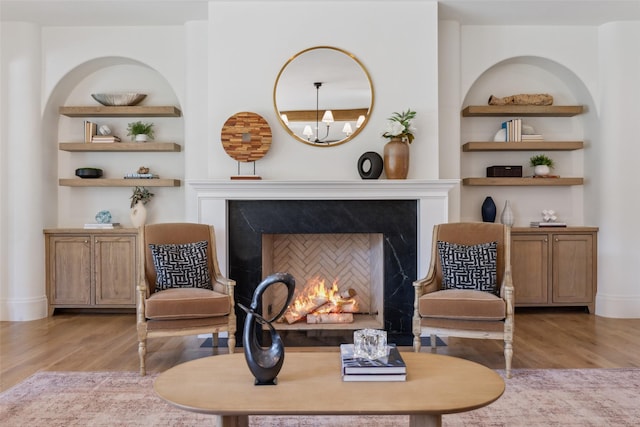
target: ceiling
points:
(177, 12)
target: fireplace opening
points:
(339, 280)
(389, 226)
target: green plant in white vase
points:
(140, 131)
(139, 198)
(541, 164)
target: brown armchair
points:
(170, 299)
(466, 313)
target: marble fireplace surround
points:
(405, 211)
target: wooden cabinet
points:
(554, 266)
(522, 111)
(123, 111)
(90, 268)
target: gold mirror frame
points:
(315, 75)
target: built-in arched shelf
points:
(561, 125)
(80, 199)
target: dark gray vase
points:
(265, 363)
(488, 210)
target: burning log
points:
(300, 310)
(318, 300)
(330, 318)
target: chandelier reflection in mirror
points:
(323, 96)
(327, 119)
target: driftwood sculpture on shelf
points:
(523, 99)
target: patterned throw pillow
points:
(181, 266)
(469, 267)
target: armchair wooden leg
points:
(231, 342)
(142, 353)
(434, 342)
(508, 354)
(214, 340)
(416, 342)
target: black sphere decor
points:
(370, 165)
(265, 363)
(488, 210)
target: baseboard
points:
(618, 306)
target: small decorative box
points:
(504, 171)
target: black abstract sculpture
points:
(265, 363)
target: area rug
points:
(575, 397)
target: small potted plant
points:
(139, 198)
(541, 164)
(140, 131)
(140, 194)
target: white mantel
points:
(207, 202)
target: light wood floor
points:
(107, 342)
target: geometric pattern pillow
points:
(469, 267)
(181, 266)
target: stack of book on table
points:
(390, 368)
(102, 226)
(548, 224)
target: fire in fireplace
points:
(319, 303)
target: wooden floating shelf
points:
(134, 111)
(523, 146)
(120, 146)
(522, 110)
(111, 182)
(539, 182)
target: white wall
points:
(215, 68)
(614, 202)
(251, 41)
(211, 70)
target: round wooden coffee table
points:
(311, 384)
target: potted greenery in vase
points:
(139, 198)
(140, 131)
(399, 131)
(541, 164)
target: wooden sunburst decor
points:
(246, 137)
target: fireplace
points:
(249, 215)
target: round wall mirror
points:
(323, 96)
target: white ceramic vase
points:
(506, 217)
(141, 137)
(541, 170)
(138, 214)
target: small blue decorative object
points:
(103, 217)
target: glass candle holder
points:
(370, 343)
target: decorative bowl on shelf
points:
(119, 98)
(88, 172)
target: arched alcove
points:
(528, 74)
(77, 206)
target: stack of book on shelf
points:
(102, 226)
(136, 175)
(90, 129)
(514, 132)
(548, 224)
(105, 138)
(390, 368)
(532, 137)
